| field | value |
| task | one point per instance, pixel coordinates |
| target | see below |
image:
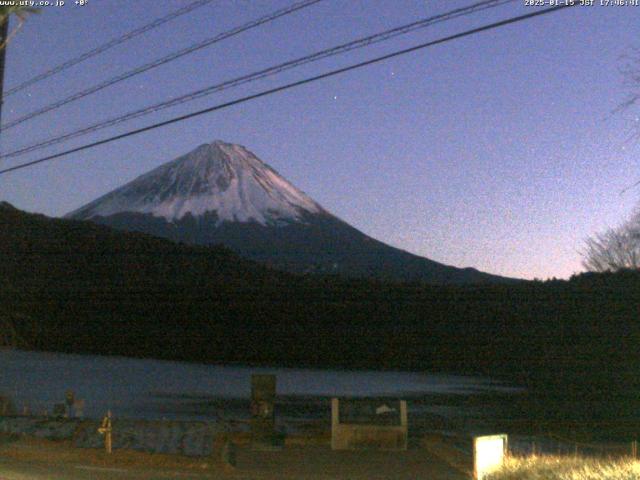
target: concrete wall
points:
(360, 436)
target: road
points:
(16, 470)
(50, 461)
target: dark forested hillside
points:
(88, 288)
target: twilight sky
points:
(498, 151)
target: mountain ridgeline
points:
(222, 193)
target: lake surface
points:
(163, 389)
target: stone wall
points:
(186, 438)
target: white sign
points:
(488, 454)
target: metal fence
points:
(552, 444)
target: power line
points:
(261, 74)
(161, 61)
(110, 44)
(288, 86)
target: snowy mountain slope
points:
(223, 194)
(218, 177)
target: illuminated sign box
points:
(488, 454)
(368, 423)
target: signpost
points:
(106, 429)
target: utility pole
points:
(4, 31)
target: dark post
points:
(263, 418)
(4, 31)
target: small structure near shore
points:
(368, 423)
(263, 417)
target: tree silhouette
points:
(615, 249)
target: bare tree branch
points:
(20, 13)
(616, 249)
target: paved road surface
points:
(308, 462)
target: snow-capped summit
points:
(217, 178)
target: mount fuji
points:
(221, 193)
